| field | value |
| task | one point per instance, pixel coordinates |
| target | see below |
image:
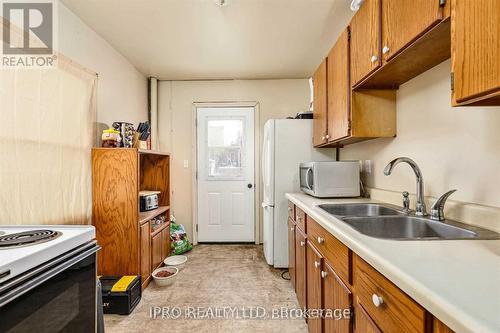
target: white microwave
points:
(330, 179)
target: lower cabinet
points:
(300, 267)
(353, 296)
(291, 251)
(314, 290)
(364, 323)
(156, 251)
(165, 238)
(337, 297)
(145, 252)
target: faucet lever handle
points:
(437, 209)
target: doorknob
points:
(250, 185)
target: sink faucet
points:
(420, 209)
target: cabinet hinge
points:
(452, 81)
(442, 3)
(348, 34)
(349, 125)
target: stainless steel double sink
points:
(390, 222)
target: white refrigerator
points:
(287, 143)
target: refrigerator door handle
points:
(264, 205)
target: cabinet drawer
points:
(393, 310)
(336, 253)
(291, 210)
(300, 219)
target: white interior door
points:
(225, 166)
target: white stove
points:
(23, 248)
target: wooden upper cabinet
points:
(365, 40)
(403, 21)
(475, 52)
(320, 105)
(338, 89)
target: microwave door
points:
(309, 173)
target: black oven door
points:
(60, 297)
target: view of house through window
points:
(225, 143)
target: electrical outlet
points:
(186, 164)
(368, 166)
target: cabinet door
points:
(336, 295)
(365, 40)
(313, 264)
(165, 237)
(364, 324)
(475, 49)
(156, 251)
(145, 252)
(320, 105)
(405, 20)
(338, 89)
(300, 267)
(291, 251)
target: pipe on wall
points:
(153, 111)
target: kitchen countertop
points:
(458, 281)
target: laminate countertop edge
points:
(455, 280)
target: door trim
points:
(194, 165)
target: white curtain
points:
(47, 130)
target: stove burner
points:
(28, 238)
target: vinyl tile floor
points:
(222, 288)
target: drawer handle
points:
(324, 274)
(377, 300)
(321, 240)
(302, 243)
(316, 264)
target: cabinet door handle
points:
(323, 137)
(385, 50)
(292, 228)
(377, 300)
(324, 274)
(374, 59)
(302, 243)
(321, 240)
(316, 264)
(327, 136)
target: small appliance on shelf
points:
(148, 200)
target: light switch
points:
(186, 164)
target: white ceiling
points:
(196, 39)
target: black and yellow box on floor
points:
(120, 294)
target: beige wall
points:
(276, 98)
(122, 89)
(455, 147)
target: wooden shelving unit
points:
(129, 245)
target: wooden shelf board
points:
(146, 216)
(160, 229)
(152, 152)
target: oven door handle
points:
(45, 275)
